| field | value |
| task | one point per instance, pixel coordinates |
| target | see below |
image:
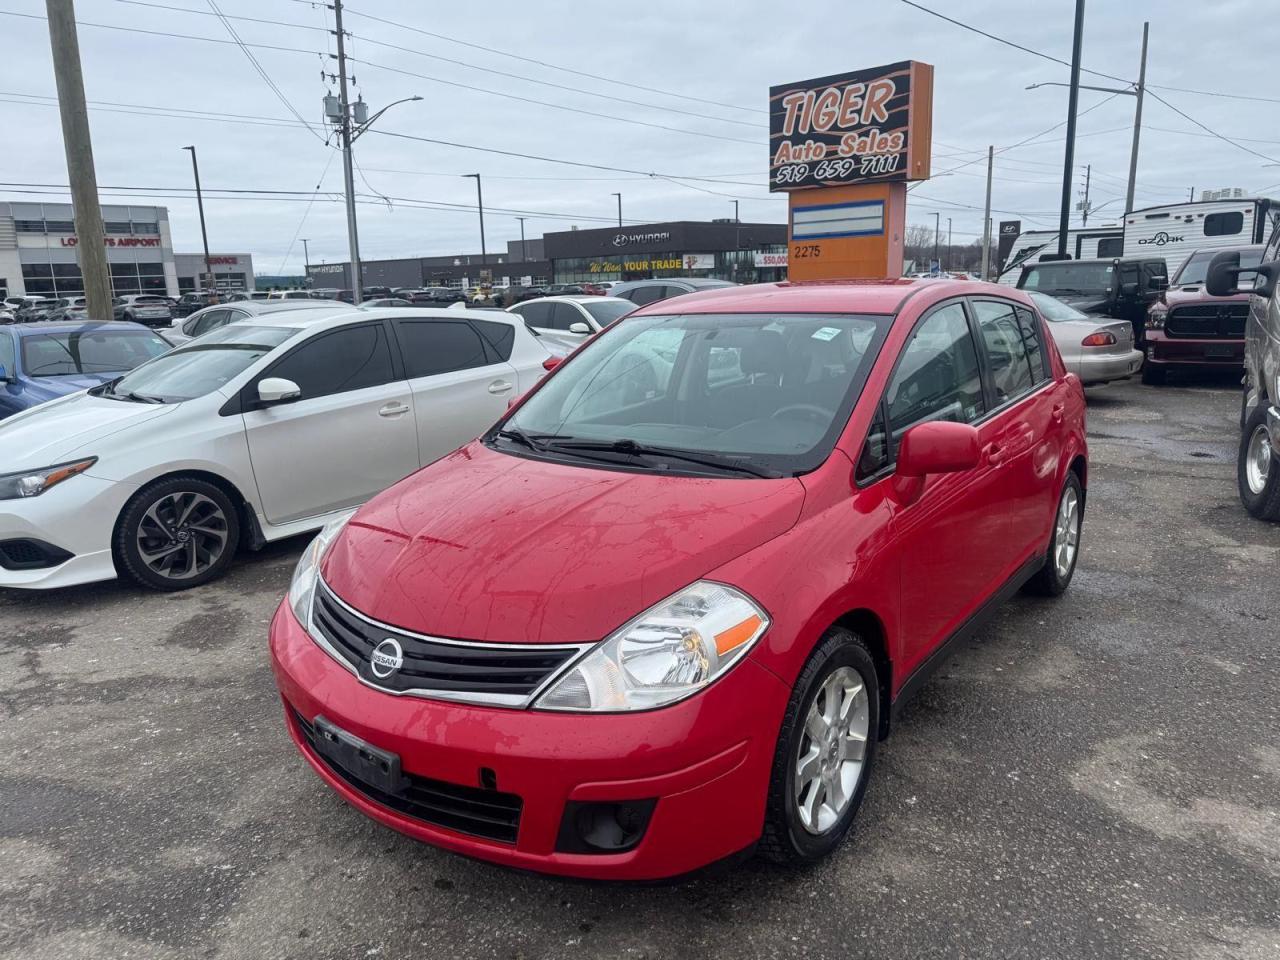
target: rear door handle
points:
(995, 454)
(1058, 410)
(393, 409)
(499, 386)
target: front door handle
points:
(392, 409)
(994, 454)
(499, 386)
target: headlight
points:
(303, 587)
(32, 483)
(669, 652)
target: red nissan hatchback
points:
(663, 611)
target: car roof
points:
(260, 307)
(63, 326)
(568, 298)
(339, 314)
(825, 296)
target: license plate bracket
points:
(1218, 352)
(380, 769)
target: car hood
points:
(487, 546)
(59, 429)
(1195, 293)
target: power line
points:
(307, 210)
(1223, 138)
(263, 73)
(548, 65)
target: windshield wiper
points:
(109, 390)
(531, 440)
(628, 446)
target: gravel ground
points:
(1097, 776)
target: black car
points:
(1118, 287)
(189, 303)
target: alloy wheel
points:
(182, 535)
(1257, 464)
(832, 750)
(1066, 533)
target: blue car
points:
(41, 361)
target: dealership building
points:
(722, 249)
(38, 253)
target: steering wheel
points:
(808, 410)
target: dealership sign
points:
(766, 260)
(116, 241)
(631, 239)
(863, 126)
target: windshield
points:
(1067, 277)
(1055, 310)
(77, 352)
(1197, 265)
(608, 310)
(762, 394)
(205, 365)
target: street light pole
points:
(484, 259)
(348, 179)
(211, 283)
(619, 196)
(524, 254)
(306, 255)
(948, 243)
(986, 220)
(735, 212)
(937, 235)
(1068, 163)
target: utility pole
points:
(306, 255)
(735, 212)
(348, 180)
(948, 243)
(210, 281)
(937, 236)
(1084, 207)
(1073, 99)
(90, 242)
(1191, 195)
(619, 196)
(986, 220)
(524, 254)
(484, 259)
(1137, 121)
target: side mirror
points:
(272, 390)
(936, 447)
(1128, 289)
(579, 327)
(1223, 276)
(1159, 283)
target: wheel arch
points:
(1080, 467)
(867, 624)
(250, 531)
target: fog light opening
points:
(606, 827)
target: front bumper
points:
(78, 516)
(1190, 351)
(706, 761)
(1107, 367)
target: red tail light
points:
(1103, 339)
(551, 363)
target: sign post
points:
(844, 148)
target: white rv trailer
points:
(1175, 230)
(1084, 243)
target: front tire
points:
(176, 534)
(1258, 468)
(1064, 546)
(824, 754)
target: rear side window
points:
(937, 376)
(1223, 224)
(351, 358)
(432, 347)
(536, 314)
(499, 337)
(651, 293)
(1005, 342)
(1031, 333)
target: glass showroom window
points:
(38, 278)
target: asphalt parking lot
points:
(1093, 777)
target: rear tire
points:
(809, 815)
(1064, 545)
(176, 534)
(1258, 468)
(1154, 375)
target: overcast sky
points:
(713, 60)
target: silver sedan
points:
(1096, 349)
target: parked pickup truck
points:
(1258, 457)
(1118, 287)
(1188, 327)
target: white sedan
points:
(257, 431)
(571, 319)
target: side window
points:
(563, 316)
(433, 347)
(209, 321)
(1006, 349)
(7, 355)
(537, 314)
(351, 358)
(1223, 224)
(937, 376)
(500, 337)
(1032, 332)
(651, 293)
(1111, 247)
(875, 452)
